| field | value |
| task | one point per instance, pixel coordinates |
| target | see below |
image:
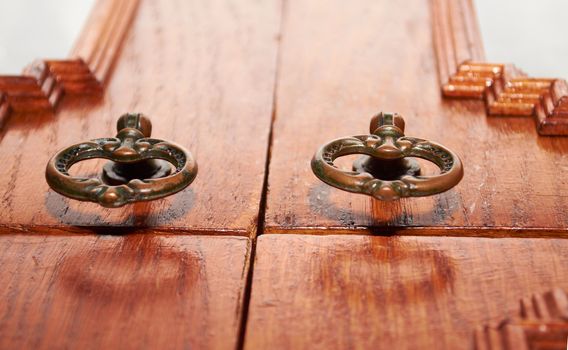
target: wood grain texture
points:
(204, 74)
(45, 82)
(121, 292)
(506, 90)
(332, 81)
(361, 292)
(541, 323)
(457, 38)
(100, 41)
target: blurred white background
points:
(32, 29)
(529, 33)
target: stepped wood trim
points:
(507, 91)
(542, 323)
(44, 82)
(101, 39)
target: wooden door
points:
(162, 274)
(258, 253)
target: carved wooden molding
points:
(542, 323)
(44, 82)
(507, 91)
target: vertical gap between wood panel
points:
(251, 251)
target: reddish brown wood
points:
(332, 81)
(121, 292)
(457, 38)
(57, 78)
(4, 106)
(204, 74)
(541, 323)
(22, 93)
(44, 82)
(103, 35)
(356, 292)
(506, 90)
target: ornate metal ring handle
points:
(137, 171)
(385, 173)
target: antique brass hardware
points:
(140, 167)
(384, 172)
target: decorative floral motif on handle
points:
(386, 144)
(131, 146)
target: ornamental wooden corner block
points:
(542, 323)
(44, 82)
(506, 90)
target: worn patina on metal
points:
(384, 172)
(140, 167)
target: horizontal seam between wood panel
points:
(488, 232)
(116, 230)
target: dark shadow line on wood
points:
(426, 231)
(264, 194)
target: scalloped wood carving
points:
(542, 323)
(507, 91)
(45, 82)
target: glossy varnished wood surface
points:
(362, 292)
(121, 292)
(333, 80)
(204, 73)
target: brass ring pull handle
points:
(138, 171)
(385, 173)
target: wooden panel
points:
(121, 292)
(362, 292)
(204, 73)
(361, 59)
